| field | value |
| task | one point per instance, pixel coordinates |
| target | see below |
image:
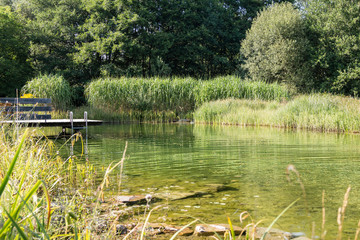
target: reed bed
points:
(25, 170)
(237, 88)
(139, 94)
(320, 112)
(35, 186)
(233, 111)
(54, 87)
(179, 95)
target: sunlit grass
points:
(34, 181)
(139, 96)
(54, 87)
(321, 112)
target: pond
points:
(245, 165)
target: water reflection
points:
(250, 160)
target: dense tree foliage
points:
(82, 39)
(54, 26)
(276, 47)
(335, 27)
(197, 38)
(14, 66)
(312, 46)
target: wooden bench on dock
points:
(35, 112)
(26, 108)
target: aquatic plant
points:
(178, 95)
(234, 87)
(33, 180)
(321, 112)
(50, 86)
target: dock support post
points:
(17, 113)
(72, 133)
(86, 132)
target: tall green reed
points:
(33, 180)
(180, 95)
(54, 87)
(20, 212)
(321, 112)
(237, 88)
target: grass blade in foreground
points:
(21, 232)
(231, 228)
(277, 218)
(146, 221)
(16, 212)
(180, 230)
(12, 164)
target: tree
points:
(196, 38)
(15, 68)
(54, 25)
(276, 48)
(335, 27)
(100, 43)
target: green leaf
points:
(12, 164)
(20, 231)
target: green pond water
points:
(170, 159)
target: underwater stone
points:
(174, 195)
(211, 229)
(121, 229)
(297, 234)
(162, 228)
(131, 199)
(273, 234)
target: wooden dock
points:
(64, 123)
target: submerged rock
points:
(121, 229)
(297, 234)
(162, 228)
(177, 195)
(219, 187)
(273, 234)
(211, 229)
(131, 199)
(101, 226)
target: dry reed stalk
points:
(313, 230)
(323, 232)
(146, 222)
(122, 165)
(357, 231)
(341, 213)
(131, 232)
(291, 168)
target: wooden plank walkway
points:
(64, 123)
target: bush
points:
(50, 86)
(276, 47)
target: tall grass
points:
(237, 88)
(24, 169)
(54, 87)
(139, 94)
(180, 95)
(322, 112)
(234, 111)
(34, 182)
